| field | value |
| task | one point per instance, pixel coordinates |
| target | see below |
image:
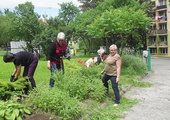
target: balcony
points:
(153, 20)
(152, 33)
(161, 7)
(162, 43)
(161, 18)
(152, 44)
(162, 31)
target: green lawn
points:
(42, 74)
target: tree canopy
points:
(124, 23)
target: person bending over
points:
(26, 59)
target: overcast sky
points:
(48, 7)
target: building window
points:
(162, 2)
(152, 40)
(163, 26)
(153, 27)
(153, 50)
(163, 38)
(163, 50)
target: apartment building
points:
(159, 36)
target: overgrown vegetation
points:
(8, 89)
(79, 93)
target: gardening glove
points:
(14, 79)
(11, 78)
(68, 57)
(63, 52)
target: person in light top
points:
(112, 71)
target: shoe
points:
(115, 105)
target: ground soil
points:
(39, 115)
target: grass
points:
(2, 52)
(92, 109)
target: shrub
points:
(133, 65)
(56, 101)
(8, 89)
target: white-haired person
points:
(112, 71)
(55, 55)
(100, 53)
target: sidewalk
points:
(154, 101)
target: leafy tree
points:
(68, 12)
(88, 17)
(80, 26)
(6, 27)
(89, 4)
(139, 35)
(2, 26)
(48, 34)
(122, 22)
(26, 24)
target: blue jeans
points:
(54, 68)
(114, 86)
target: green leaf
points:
(16, 112)
(19, 118)
(9, 117)
(1, 118)
(27, 111)
(12, 116)
(2, 113)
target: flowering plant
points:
(81, 62)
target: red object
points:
(60, 48)
(104, 57)
(93, 58)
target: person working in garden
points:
(112, 71)
(55, 55)
(26, 59)
(100, 53)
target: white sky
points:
(49, 7)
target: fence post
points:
(149, 60)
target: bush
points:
(133, 65)
(56, 101)
(8, 89)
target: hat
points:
(8, 57)
(61, 35)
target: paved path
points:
(154, 101)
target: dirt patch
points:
(40, 116)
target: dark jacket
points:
(23, 58)
(56, 52)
